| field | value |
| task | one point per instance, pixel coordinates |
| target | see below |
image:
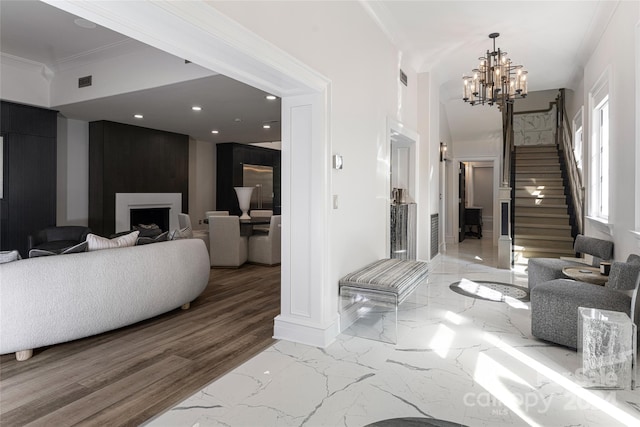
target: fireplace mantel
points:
(127, 201)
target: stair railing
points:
(564, 140)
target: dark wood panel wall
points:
(29, 173)
(231, 157)
(132, 159)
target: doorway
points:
(476, 187)
(401, 223)
(309, 300)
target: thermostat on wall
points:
(337, 161)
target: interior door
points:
(462, 181)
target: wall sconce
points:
(443, 152)
(337, 161)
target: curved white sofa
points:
(54, 299)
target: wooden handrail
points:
(564, 141)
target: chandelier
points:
(496, 80)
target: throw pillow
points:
(148, 230)
(184, 233)
(80, 247)
(9, 256)
(146, 240)
(97, 243)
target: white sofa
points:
(54, 299)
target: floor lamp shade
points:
(244, 200)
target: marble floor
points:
(460, 359)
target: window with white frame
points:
(599, 150)
(578, 139)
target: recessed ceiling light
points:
(270, 97)
(138, 116)
(215, 131)
(266, 126)
(237, 119)
(84, 23)
(196, 108)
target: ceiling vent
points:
(85, 81)
(403, 78)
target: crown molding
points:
(26, 64)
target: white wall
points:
(617, 52)
(483, 192)
(535, 101)
(72, 172)
(202, 181)
(340, 41)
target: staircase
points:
(541, 216)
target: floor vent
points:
(435, 228)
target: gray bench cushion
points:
(388, 275)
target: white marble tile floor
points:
(460, 359)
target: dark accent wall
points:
(132, 159)
(29, 173)
(230, 158)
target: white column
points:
(307, 312)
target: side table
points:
(586, 274)
(607, 347)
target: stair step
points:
(540, 210)
(537, 226)
(550, 243)
(534, 191)
(549, 202)
(521, 182)
(538, 168)
(541, 253)
(531, 156)
(536, 148)
(542, 237)
(546, 219)
(524, 161)
(539, 175)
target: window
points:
(599, 151)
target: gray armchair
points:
(554, 304)
(542, 270)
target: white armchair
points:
(227, 247)
(184, 221)
(265, 249)
(207, 214)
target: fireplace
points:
(147, 216)
(157, 208)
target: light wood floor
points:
(127, 376)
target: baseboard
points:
(304, 332)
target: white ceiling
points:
(41, 33)
(552, 39)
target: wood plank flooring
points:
(127, 376)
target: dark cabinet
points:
(231, 158)
(29, 173)
(473, 218)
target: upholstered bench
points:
(371, 295)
